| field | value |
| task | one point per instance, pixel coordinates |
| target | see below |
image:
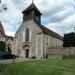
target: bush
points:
(33, 57)
(69, 40)
(8, 56)
(68, 56)
(2, 46)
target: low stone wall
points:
(54, 53)
(13, 61)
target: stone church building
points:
(32, 40)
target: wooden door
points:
(27, 53)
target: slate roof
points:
(51, 33)
(32, 7)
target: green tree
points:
(69, 40)
(2, 46)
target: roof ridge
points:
(50, 32)
(31, 7)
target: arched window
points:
(9, 48)
(27, 35)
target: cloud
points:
(50, 7)
(65, 26)
(21, 4)
(58, 15)
(11, 18)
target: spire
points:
(32, 2)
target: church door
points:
(27, 53)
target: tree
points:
(2, 46)
(69, 40)
(3, 7)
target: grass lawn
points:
(45, 67)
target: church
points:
(32, 40)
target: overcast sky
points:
(58, 15)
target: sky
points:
(57, 15)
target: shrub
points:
(8, 56)
(69, 40)
(68, 56)
(2, 46)
(33, 57)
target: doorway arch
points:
(26, 49)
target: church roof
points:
(51, 33)
(44, 29)
(32, 7)
(1, 29)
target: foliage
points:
(69, 40)
(2, 46)
(33, 57)
(3, 7)
(8, 56)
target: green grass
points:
(45, 67)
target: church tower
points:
(32, 13)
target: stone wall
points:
(50, 42)
(39, 42)
(54, 53)
(20, 38)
